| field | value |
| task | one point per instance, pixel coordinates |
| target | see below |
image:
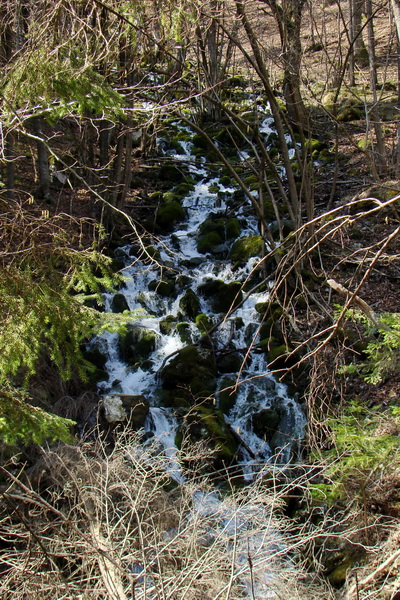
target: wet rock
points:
(184, 333)
(229, 362)
(169, 172)
(208, 425)
(164, 288)
(227, 394)
(136, 344)
(265, 423)
(204, 323)
(125, 407)
(193, 262)
(190, 304)
(169, 214)
(246, 247)
(119, 304)
(286, 225)
(210, 243)
(192, 368)
(214, 232)
(221, 295)
(167, 325)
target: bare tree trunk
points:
(395, 5)
(43, 190)
(10, 172)
(259, 65)
(288, 17)
(380, 153)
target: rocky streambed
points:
(198, 340)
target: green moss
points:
(184, 332)
(167, 325)
(192, 368)
(226, 180)
(213, 188)
(246, 247)
(165, 289)
(203, 323)
(209, 242)
(190, 304)
(207, 424)
(136, 344)
(169, 172)
(277, 355)
(221, 295)
(169, 214)
(351, 113)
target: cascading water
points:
(247, 396)
(257, 389)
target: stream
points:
(245, 392)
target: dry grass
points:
(112, 524)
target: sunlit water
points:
(256, 388)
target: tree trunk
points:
(380, 151)
(43, 190)
(395, 5)
(291, 47)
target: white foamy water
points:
(254, 388)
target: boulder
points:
(167, 325)
(208, 425)
(169, 214)
(246, 247)
(204, 323)
(227, 396)
(136, 344)
(221, 295)
(125, 407)
(265, 423)
(190, 304)
(229, 362)
(192, 368)
(119, 303)
(164, 288)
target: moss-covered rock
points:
(184, 332)
(199, 141)
(172, 173)
(285, 226)
(169, 214)
(278, 355)
(119, 303)
(210, 243)
(192, 368)
(246, 247)
(265, 423)
(229, 362)
(164, 288)
(167, 325)
(136, 344)
(227, 394)
(189, 304)
(221, 295)
(208, 425)
(350, 113)
(204, 323)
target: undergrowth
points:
(95, 522)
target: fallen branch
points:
(359, 302)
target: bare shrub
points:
(111, 523)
